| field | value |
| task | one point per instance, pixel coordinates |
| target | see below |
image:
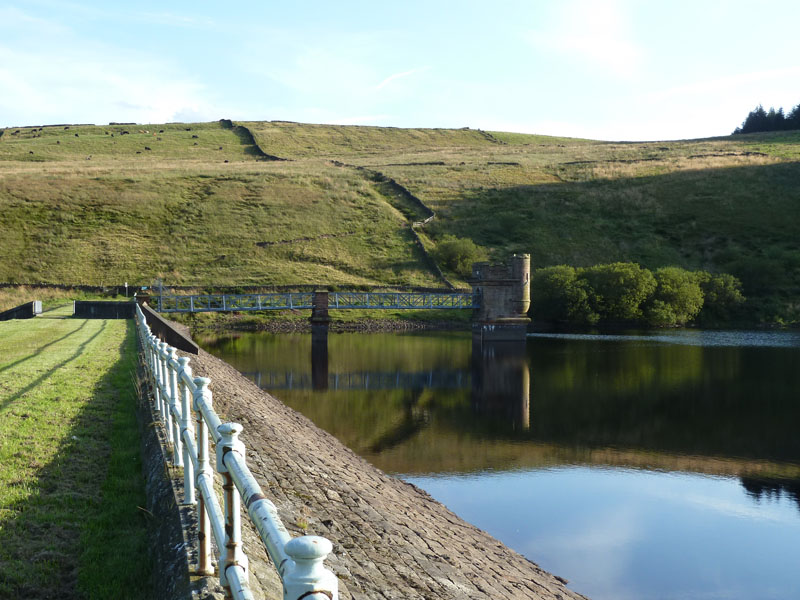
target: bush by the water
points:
(628, 292)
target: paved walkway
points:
(391, 539)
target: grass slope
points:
(724, 205)
(298, 140)
(211, 213)
(71, 480)
(180, 212)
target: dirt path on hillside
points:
(391, 539)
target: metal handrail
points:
(304, 300)
(234, 302)
(178, 396)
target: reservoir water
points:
(647, 465)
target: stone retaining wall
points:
(391, 539)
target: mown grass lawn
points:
(71, 483)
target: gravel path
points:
(391, 539)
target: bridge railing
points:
(234, 302)
(185, 406)
(401, 300)
(304, 300)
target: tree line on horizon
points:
(759, 120)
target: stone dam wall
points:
(391, 539)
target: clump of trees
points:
(773, 120)
(458, 254)
(628, 292)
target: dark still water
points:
(637, 466)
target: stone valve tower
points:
(504, 296)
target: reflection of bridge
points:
(365, 380)
(305, 300)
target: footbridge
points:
(311, 300)
(500, 299)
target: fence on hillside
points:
(184, 405)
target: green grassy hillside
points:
(297, 140)
(204, 206)
(199, 207)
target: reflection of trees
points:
(347, 352)
(709, 401)
(599, 402)
(415, 417)
(765, 488)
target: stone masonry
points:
(504, 297)
(391, 540)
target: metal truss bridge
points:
(305, 300)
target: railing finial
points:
(305, 576)
(229, 442)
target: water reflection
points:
(636, 466)
(628, 401)
(319, 358)
(501, 382)
(766, 489)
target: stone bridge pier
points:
(504, 296)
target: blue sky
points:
(615, 70)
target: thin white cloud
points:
(400, 75)
(598, 35)
(22, 20)
(63, 78)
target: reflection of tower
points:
(501, 381)
(319, 357)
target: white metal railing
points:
(178, 396)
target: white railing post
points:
(202, 394)
(158, 375)
(232, 554)
(184, 373)
(176, 394)
(177, 446)
(165, 399)
(305, 576)
(152, 344)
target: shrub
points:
(617, 291)
(723, 296)
(676, 300)
(668, 297)
(458, 254)
(559, 295)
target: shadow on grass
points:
(80, 503)
(40, 348)
(35, 383)
(737, 219)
